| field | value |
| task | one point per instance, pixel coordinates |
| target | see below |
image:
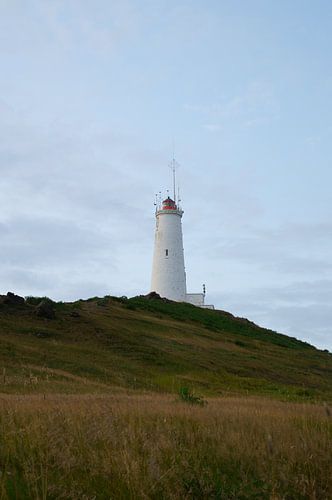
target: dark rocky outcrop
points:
(155, 296)
(12, 300)
(152, 296)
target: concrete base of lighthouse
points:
(197, 299)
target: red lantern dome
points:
(169, 204)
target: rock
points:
(45, 310)
(12, 300)
(152, 296)
(156, 296)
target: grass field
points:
(90, 405)
(107, 344)
(154, 446)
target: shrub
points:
(35, 301)
(188, 396)
(130, 306)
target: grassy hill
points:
(108, 344)
(88, 410)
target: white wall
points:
(168, 271)
(197, 299)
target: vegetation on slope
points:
(150, 344)
(153, 447)
(89, 410)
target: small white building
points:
(168, 270)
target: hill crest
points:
(149, 343)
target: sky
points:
(94, 95)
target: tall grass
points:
(155, 447)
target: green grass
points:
(139, 344)
(156, 447)
(136, 398)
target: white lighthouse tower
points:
(168, 270)
(168, 273)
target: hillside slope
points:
(143, 343)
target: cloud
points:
(291, 248)
(73, 219)
(212, 127)
(313, 140)
(256, 105)
(301, 309)
(68, 26)
(278, 277)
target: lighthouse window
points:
(166, 252)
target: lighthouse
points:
(168, 272)
(168, 269)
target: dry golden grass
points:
(153, 446)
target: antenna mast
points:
(173, 165)
(173, 170)
(174, 178)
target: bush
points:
(122, 300)
(35, 301)
(130, 306)
(188, 396)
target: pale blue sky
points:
(92, 95)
